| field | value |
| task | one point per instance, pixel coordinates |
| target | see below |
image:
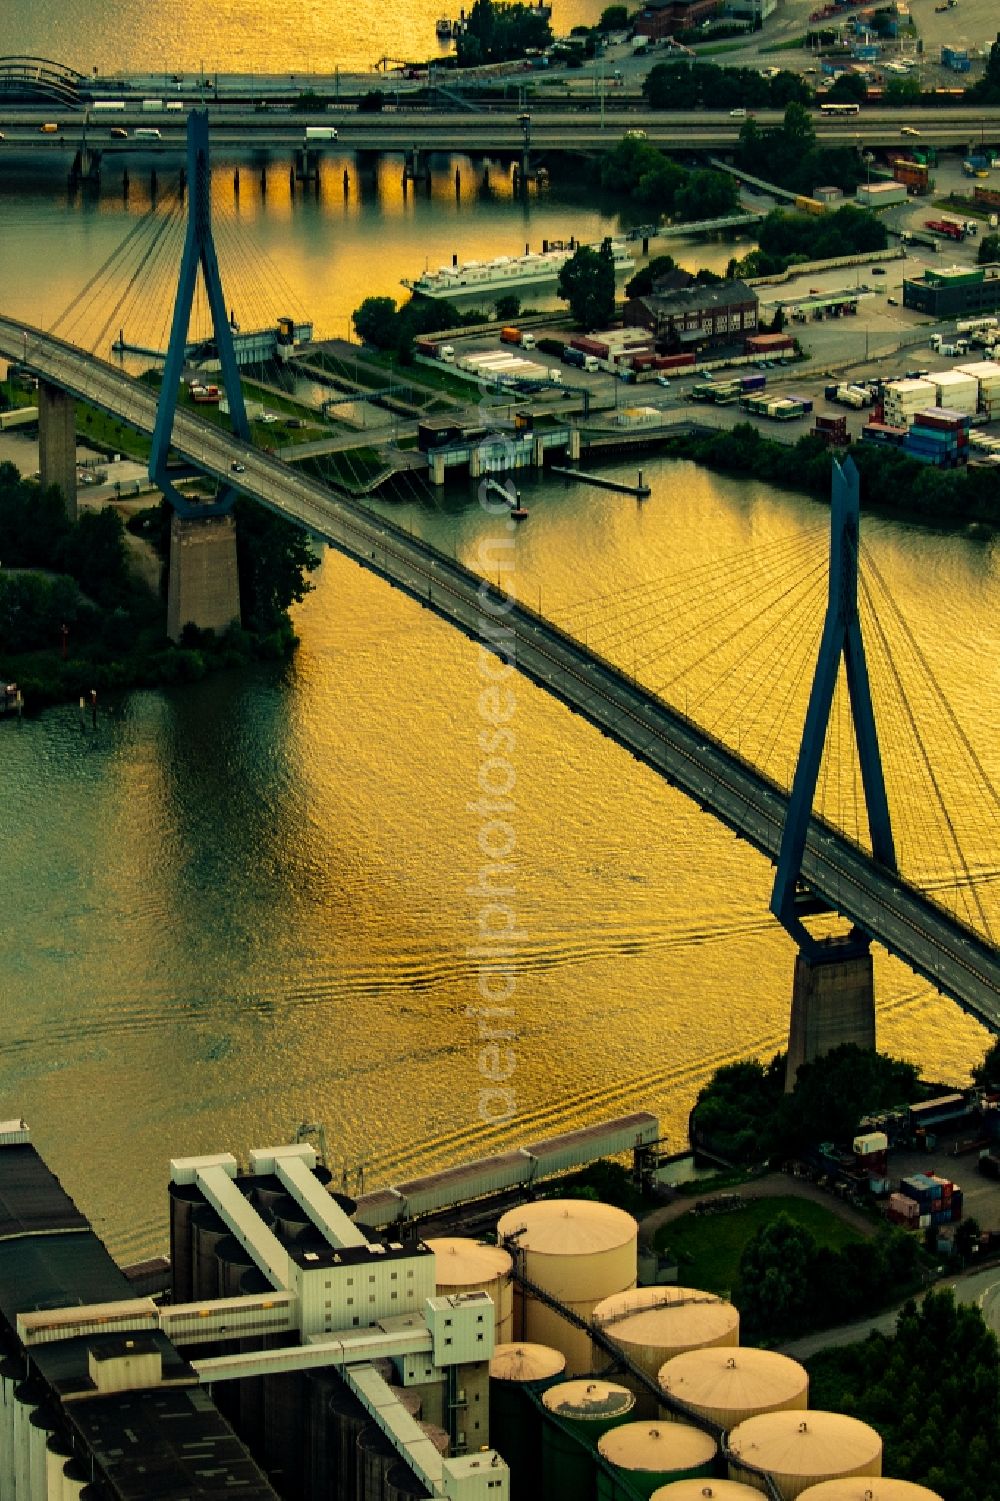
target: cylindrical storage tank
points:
(402, 1485)
(11, 1376)
(41, 1424)
(285, 1399)
(57, 1451)
(577, 1251)
(863, 1488)
(233, 1262)
(184, 1199)
(577, 1415)
(730, 1386)
(799, 1451)
(208, 1230)
(375, 1458)
(335, 1440)
(517, 1374)
(74, 1481)
(26, 1395)
(652, 1324)
(463, 1265)
(705, 1490)
(643, 1456)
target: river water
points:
(252, 902)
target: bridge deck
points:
(933, 942)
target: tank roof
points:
(568, 1227)
(657, 1447)
(585, 1401)
(669, 1316)
(869, 1488)
(526, 1362)
(461, 1262)
(733, 1380)
(693, 1489)
(824, 1444)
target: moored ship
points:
(535, 268)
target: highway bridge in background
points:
(502, 130)
(959, 961)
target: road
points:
(979, 1287)
(957, 960)
(496, 129)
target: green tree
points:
(613, 18)
(776, 1276)
(987, 1073)
(274, 559)
(642, 281)
(903, 91)
(495, 32)
(848, 87)
(508, 306)
(989, 250)
(587, 283)
(376, 322)
(372, 102)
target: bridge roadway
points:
(490, 130)
(952, 956)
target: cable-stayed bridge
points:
(821, 867)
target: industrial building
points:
(660, 18)
(953, 291)
(306, 1357)
(316, 1340)
(694, 317)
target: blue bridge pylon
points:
(841, 639)
(199, 251)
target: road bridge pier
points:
(833, 1002)
(203, 588)
(57, 443)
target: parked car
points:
(878, 270)
(892, 301)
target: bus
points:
(839, 109)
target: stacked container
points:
(987, 375)
(903, 1211)
(833, 430)
(883, 434)
(871, 1154)
(956, 390)
(904, 398)
(938, 1201)
(940, 437)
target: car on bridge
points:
(237, 467)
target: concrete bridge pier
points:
(86, 166)
(57, 443)
(833, 1002)
(307, 165)
(203, 586)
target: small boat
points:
(443, 28)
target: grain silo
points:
(653, 1324)
(184, 1199)
(705, 1490)
(643, 1456)
(519, 1374)
(865, 1488)
(376, 1456)
(437, 1435)
(402, 1485)
(577, 1415)
(799, 1451)
(578, 1252)
(208, 1230)
(462, 1265)
(730, 1386)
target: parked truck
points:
(515, 336)
(948, 229)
